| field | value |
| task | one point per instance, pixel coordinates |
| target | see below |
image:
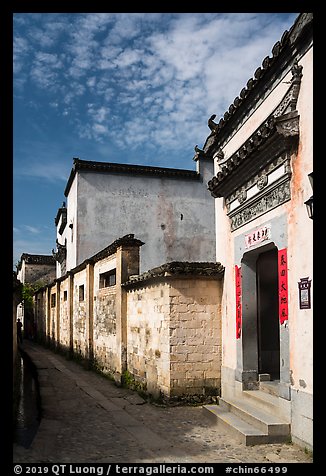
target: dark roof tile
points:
(129, 169)
(178, 269)
(301, 21)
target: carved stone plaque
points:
(261, 204)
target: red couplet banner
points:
(283, 285)
(238, 301)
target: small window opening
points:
(65, 295)
(81, 293)
(108, 279)
(53, 299)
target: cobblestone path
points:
(88, 419)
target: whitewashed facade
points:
(170, 210)
(263, 154)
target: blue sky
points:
(120, 87)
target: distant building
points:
(32, 269)
(169, 209)
(263, 154)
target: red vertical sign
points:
(283, 285)
(238, 319)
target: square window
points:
(81, 293)
(53, 299)
(108, 279)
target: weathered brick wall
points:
(94, 325)
(105, 348)
(195, 336)
(163, 327)
(80, 341)
(40, 314)
(39, 272)
(105, 319)
(174, 336)
(64, 315)
(53, 316)
(148, 349)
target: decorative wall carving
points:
(281, 126)
(282, 159)
(271, 145)
(288, 124)
(272, 198)
(289, 101)
(242, 195)
(262, 181)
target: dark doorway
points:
(267, 314)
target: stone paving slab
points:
(89, 419)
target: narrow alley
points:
(86, 418)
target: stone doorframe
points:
(247, 345)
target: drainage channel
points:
(29, 407)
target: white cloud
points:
(137, 86)
(51, 170)
(126, 26)
(49, 59)
(156, 76)
(100, 129)
(32, 229)
(45, 70)
(91, 82)
(20, 49)
(43, 245)
(33, 239)
(128, 57)
(99, 114)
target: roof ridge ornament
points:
(220, 154)
(288, 37)
(200, 154)
(296, 71)
(211, 124)
(61, 252)
(284, 125)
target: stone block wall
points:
(52, 320)
(65, 329)
(161, 328)
(105, 318)
(79, 323)
(40, 313)
(36, 268)
(40, 272)
(174, 329)
(195, 336)
(148, 346)
(87, 318)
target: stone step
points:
(248, 429)
(267, 422)
(266, 402)
(260, 399)
(241, 431)
(270, 387)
